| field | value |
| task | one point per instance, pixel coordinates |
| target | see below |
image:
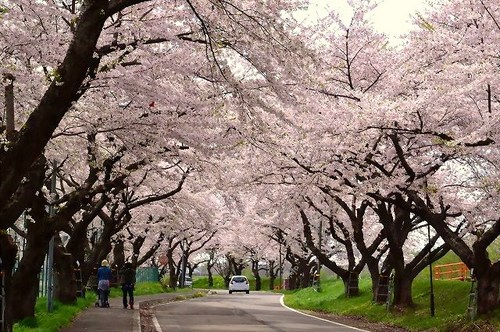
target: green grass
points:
(52, 322)
(142, 288)
(451, 301)
(202, 282)
(494, 250)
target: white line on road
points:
(156, 324)
(325, 320)
(155, 321)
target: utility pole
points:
(430, 268)
(182, 282)
(318, 269)
(280, 269)
(50, 255)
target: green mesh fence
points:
(143, 274)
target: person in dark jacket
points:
(127, 279)
(104, 277)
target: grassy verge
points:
(202, 282)
(53, 321)
(451, 300)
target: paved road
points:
(259, 312)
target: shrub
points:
(165, 281)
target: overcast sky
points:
(391, 16)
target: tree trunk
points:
(350, 284)
(23, 293)
(397, 223)
(488, 290)
(272, 275)
(258, 281)
(300, 273)
(210, 278)
(227, 279)
(292, 281)
(172, 280)
(255, 271)
(305, 280)
(64, 276)
(89, 275)
(238, 266)
(119, 254)
(375, 277)
(23, 289)
(99, 251)
(76, 247)
(402, 279)
(94, 257)
(8, 252)
(402, 290)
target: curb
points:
(143, 320)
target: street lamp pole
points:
(50, 254)
(430, 268)
(280, 269)
(183, 265)
(318, 269)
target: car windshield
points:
(239, 279)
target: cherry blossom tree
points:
(446, 141)
(280, 126)
(97, 49)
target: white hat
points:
(104, 263)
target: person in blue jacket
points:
(104, 277)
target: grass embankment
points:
(63, 314)
(53, 321)
(451, 298)
(451, 302)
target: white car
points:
(239, 284)
(188, 282)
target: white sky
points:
(391, 16)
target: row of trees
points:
(111, 90)
(383, 142)
(230, 125)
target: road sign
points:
(163, 259)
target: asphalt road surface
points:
(257, 311)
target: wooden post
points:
(9, 105)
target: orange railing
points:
(453, 271)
